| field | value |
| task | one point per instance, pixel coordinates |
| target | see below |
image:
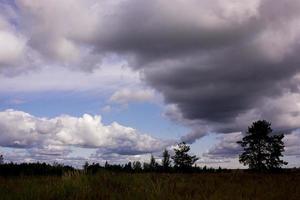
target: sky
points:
(117, 81)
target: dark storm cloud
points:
(216, 61)
(223, 89)
(153, 31)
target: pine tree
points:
(86, 166)
(153, 164)
(106, 165)
(261, 151)
(181, 158)
(166, 162)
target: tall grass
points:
(109, 185)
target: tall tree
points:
(86, 166)
(153, 164)
(166, 162)
(181, 158)
(1, 159)
(261, 150)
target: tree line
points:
(34, 169)
(181, 161)
(262, 151)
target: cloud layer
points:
(220, 64)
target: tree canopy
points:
(181, 158)
(262, 150)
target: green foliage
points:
(182, 159)
(261, 150)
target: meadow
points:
(120, 185)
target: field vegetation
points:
(237, 184)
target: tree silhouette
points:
(262, 151)
(86, 166)
(153, 164)
(166, 162)
(1, 159)
(182, 159)
(137, 166)
(106, 165)
(128, 167)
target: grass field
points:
(109, 185)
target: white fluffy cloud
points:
(22, 130)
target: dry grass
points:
(108, 185)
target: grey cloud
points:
(221, 63)
(154, 30)
(292, 144)
(42, 155)
(227, 148)
(125, 96)
(214, 66)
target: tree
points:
(153, 164)
(181, 158)
(1, 160)
(146, 166)
(261, 150)
(86, 166)
(106, 165)
(128, 167)
(166, 162)
(137, 166)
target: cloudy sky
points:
(118, 80)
